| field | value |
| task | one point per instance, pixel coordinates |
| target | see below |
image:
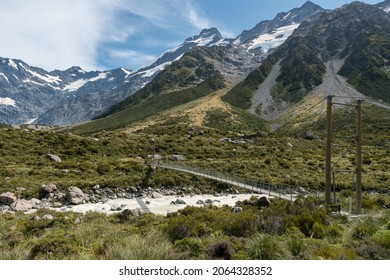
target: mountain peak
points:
(206, 37)
(208, 32)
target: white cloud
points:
(195, 18)
(63, 33)
(53, 34)
(135, 57)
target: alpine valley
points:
(210, 112)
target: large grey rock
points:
(178, 201)
(74, 195)
(23, 205)
(46, 189)
(54, 157)
(8, 198)
(156, 195)
(177, 157)
(126, 214)
(47, 217)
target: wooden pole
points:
(359, 157)
(328, 164)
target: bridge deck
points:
(253, 186)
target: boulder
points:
(180, 201)
(23, 205)
(47, 189)
(54, 157)
(126, 214)
(236, 210)
(47, 217)
(308, 135)
(8, 198)
(74, 195)
(156, 195)
(263, 202)
(177, 157)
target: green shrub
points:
(192, 246)
(364, 227)
(242, 224)
(221, 250)
(368, 250)
(318, 231)
(267, 247)
(334, 231)
(382, 238)
(59, 246)
(335, 252)
(295, 241)
(104, 168)
(180, 227)
(153, 246)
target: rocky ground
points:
(132, 200)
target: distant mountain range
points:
(32, 95)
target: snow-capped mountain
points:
(385, 5)
(270, 34)
(32, 95)
(206, 38)
(27, 92)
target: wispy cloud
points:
(53, 34)
(194, 16)
(135, 57)
(63, 33)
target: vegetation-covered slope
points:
(356, 33)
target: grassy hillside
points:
(114, 160)
(151, 106)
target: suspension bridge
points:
(281, 191)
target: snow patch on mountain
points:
(273, 39)
(47, 78)
(127, 72)
(79, 83)
(201, 41)
(11, 63)
(158, 68)
(7, 101)
(4, 76)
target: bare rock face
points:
(74, 195)
(8, 198)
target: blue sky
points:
(108, 34)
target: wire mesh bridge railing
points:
(282, 191)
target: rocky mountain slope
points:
(349, 44)
(233, 59)
(72, 96)
(32, 95)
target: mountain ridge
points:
(356, 34)
(74, 95)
